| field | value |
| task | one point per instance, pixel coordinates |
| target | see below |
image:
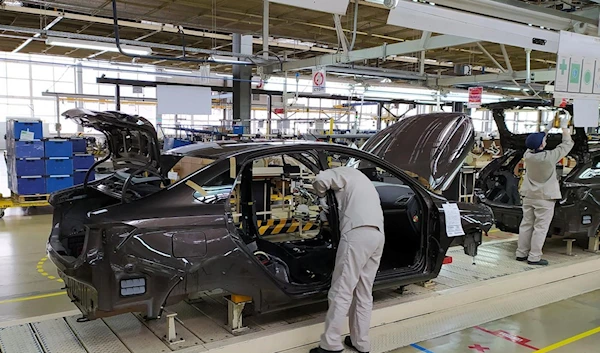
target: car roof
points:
(223, 149)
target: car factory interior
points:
(289, 176)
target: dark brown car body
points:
(577, 214)
(125, 244)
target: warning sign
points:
(318, 78)
(475, 94)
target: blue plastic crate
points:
(55, 183)
(59, 166)
(15, 127)
(83, 161)
(79, 145)
(58, 148)
(79, 176)
(27, 167)
(28, 185)
(26, 149)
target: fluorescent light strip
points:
(84, 44)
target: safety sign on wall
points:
(475, 95)
(318, 79)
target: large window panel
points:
(19, 108)
(15, 70)
(3, 90)
(2, 69)
(39, 87)
(64, 74)
(44, 107)
(106, 90)
(17, 87)
(42, 72)
(90, 88)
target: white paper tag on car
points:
(453, 224)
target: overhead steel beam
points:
(372, 53)
(437, 19)
(536, 76)
(519, 11)
(37, 35)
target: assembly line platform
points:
(464, 295)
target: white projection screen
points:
(183, 100)
(337, 7)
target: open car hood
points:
(432, 146)
(132, 140)
(510, 141)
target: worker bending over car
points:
(540, 190)
(357, 260)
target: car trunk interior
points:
(501, 185)
(308, 258)
(72, 207)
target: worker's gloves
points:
(564, 122)
(323, 204)
(550, 125)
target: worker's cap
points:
(534, 141)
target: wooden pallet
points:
(31, 198)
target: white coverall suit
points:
(540, 190)
(358, 255)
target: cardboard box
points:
(188, 165)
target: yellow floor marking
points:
(494, 231)
(569, 340)
(33, 297)
(40, 269)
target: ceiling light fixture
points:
(12, 3)
(84, 44)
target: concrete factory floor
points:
(569, 326)
(30, 288)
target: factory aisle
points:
(569, 326)
(29, 285)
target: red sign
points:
(278, 111)
(475, 94)
(479, 348)
(509, 337)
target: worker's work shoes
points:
(542, 262)
(348, 342)
(321, 350)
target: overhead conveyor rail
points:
(464, 295)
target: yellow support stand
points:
(235, 307)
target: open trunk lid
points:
(510, 141)
(132, 140)
(432, 146)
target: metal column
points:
(458, 107)
(79, 89)
(242, 89)
(118, 97)
(379, 115)
(269, 112)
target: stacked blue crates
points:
(59, 164)
(82, 162)
(25, 153)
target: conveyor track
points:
(202, 323)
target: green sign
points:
(575, 73)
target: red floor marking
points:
(509, 337)
(479, 348)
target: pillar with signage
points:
(319, 80)
(578, 77)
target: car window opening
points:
(294, 234)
